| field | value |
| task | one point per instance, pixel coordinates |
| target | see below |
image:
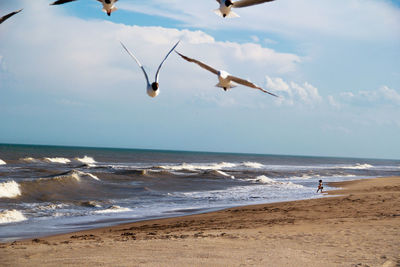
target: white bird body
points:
(108, 6)
(225, 11)
(225, 6)
(152, 89)
(151, 92)
(225, 80)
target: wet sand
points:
(361, 227)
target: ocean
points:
(47, 190)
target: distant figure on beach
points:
(320, 187)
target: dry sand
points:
(359, 228)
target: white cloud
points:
(338, 18)
(333, 102)
(382, 96)
(292, 93)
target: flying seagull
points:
(226, 81)
(225, 6)
(108, 5)
(2, 19)
(152, 89)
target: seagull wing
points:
(159, 67)
(204, 66)
(60, 2)
(248, 83)
(2, 19)
(138, 62)
(244, 3)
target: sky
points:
(66, 80)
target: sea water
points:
(47, 190)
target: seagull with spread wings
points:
(225, 6)
(226, 81)
(108, 5)
(152, 89)
(3, 18)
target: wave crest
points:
(194, 167)
(113, 209)
(86, 160)
(29, 160)
(2, 162)
(9, 189)
(10, 216)
(266, 180)
(57, 160)
(358, 166)
(254, 165)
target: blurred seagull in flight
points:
(152, 89)
(2, 19)
(108, 5)
(226, 81)
(225, 6)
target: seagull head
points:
(228, 3)
(155, 86)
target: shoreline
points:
(363, 219)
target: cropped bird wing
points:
(138, 62)
(159, 67)
(60, 2)
(244, 3)
(248, 83)
(204, 66)
(2, 19)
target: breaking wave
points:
(29, 160)
(254, 165)
(86, 160)
(358, 166)
(194, 167)
(2, 162)
(9, 189)
(219, 174)
(266, 180)
(57, 160)
(74, 174)
(10, 216)
(113, 209)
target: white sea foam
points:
(2, 162)
(194, 167)
(225, 174)
(358, 166)
(57, 160)
(9, 216)
(77, 175)
(30, 160)
(266, 180)
(9, 190)
(254, 165)
(87, 160)
(113, 209)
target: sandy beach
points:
(360, 227)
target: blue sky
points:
(65, 79)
